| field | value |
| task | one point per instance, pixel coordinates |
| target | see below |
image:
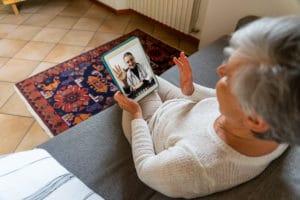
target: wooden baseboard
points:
(130, 11)
(174, 31)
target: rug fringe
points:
(33, 113)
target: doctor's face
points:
(130, 61)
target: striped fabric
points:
(36, 175)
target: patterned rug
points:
(71, 92)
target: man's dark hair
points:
(127, 54)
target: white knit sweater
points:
(180, 155)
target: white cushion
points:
(35, 174)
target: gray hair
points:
(268, 84)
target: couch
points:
(97, 152)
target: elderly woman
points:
(202, 141)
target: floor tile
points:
(23, 32)
(30, 6)
(8, 48)
(58, 3)
(146, 27)
(35, 51)
(42, 67)
(4, 8)
(162, 33)
(13, 130)
(3, 61)
(2, 15)
(166, 36)
(6, 12)
(125, 18)
(14, 19)
(6, 90)
(76, 37)
(34, 137)
(16, 70)
(38, 20)
(6, 29)
(188, 47)
(81, 4)
(87, 49)
(102, 38)
(74, 11)
(55, 33)
(173, 42)
(63, 22)
(88, 24)
(137, 18)
(15, 106)
(62, 53)
(96, 11)
(28, 9)
(113, 26)
(51, 9)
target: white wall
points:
(219, 17)
(116, 4)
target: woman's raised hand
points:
(121, 74)
(185, 72)
(129, 105)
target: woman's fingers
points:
(129, 105)
(181, 61)
(183, 58)
(186, 79)
(119, 97)
(122, 99)
(177, 62)
(182, 55)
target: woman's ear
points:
(256, 124)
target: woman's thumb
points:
(117, 96)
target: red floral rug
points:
(72, 91)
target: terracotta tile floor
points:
(48, 32)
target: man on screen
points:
(135, 77)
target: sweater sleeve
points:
(174, 172)
(201, 92)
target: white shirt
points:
(182, 156)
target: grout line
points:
(90, 40)
(7, 82)
(4, 62)
(127, 26)
(14, 115)
(42, 60)
(6, 101)
(25, 134)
